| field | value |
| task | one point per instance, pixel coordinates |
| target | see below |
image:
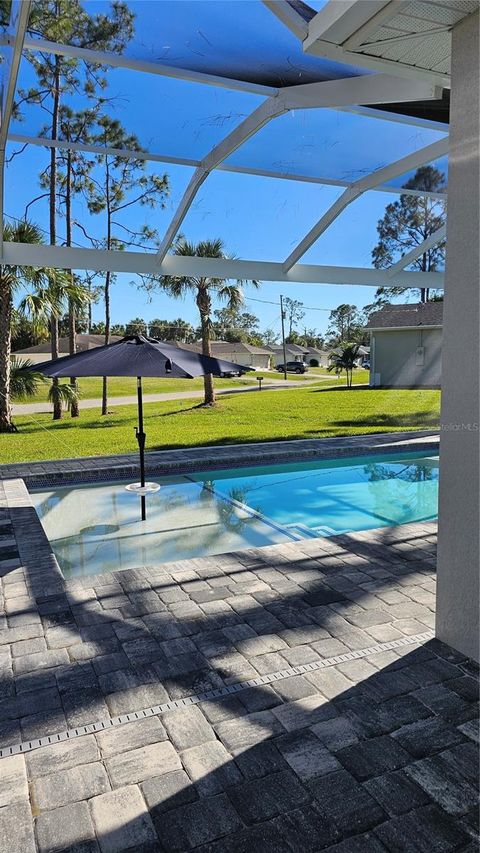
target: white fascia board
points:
(360, 35)
(148, 156)
(386, 66)
(287, 14)
(339, 19)
(378, 329)
(410, 257)
(386, 173)
(63, 257)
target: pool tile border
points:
(171, 462)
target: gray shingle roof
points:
(84, 342)
(219, 347)
(409, 315)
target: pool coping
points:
(178, 461)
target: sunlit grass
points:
(125, 386)
(311, 412)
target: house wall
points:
(397, 361)
(458, 538)
(36, 357)
(322, 358)
(291, 356)
(248, 359)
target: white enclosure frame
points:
(356, 189)
(19, 15)
(431, 241)
(353, 94)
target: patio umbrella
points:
(136, 355)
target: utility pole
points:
(282, 314)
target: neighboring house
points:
(322, 356)
(244, 354)
(292, 351)
(239, 353)
(42, 352)
(363, 355)
(406, 346)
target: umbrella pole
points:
(141, 443)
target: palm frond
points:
(63, 395)
(232, 294)
(24, 381)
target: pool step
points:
(304, 531)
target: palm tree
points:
(62, 291)
(11, 278)
(344, 358)
(62, 395)
(204, 289)
(24, 383)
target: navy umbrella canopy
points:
(138, 356)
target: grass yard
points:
(312, 412)
(126, 386)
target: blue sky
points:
(257, 217)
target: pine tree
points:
(407, 223)
(116, 185)
(69, 22)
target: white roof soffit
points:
(410, 38)
(63, 257)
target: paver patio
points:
(374, 749)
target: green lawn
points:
(312, 412)
(124, 386)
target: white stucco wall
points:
(277, 357)
(459, 554)
(397, 361)
(36, 357)
(256, 360)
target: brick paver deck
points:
(369, 751)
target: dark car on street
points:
(293, 367)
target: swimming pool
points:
(96, 528)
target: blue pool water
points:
(337, 496)
(96, 527)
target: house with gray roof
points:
(406, 346)
(43, 352)
(243, 354)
